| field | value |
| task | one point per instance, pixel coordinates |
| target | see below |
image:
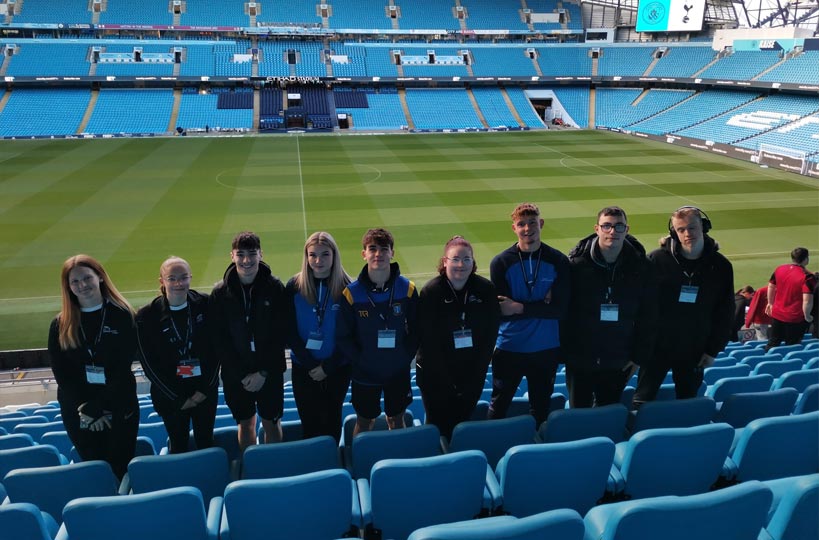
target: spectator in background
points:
(378, 331)
(612, 321)
(174, 341)
(247, 312)
(321, 374)
(533, 284)
(458, 318)
(814, 325)
(742, 299)
(756, 318)
(790, 299)
(92, 343)
(696, 309)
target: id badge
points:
(189, 368)
(386, 339)
(688, 294)
(94, 375)
(314, 341)
(463, 338)
(609, 312)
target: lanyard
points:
(92, 350)
(187, 344)
(463, 308)
(321, 306)
(612, 277)
(247, 301)
(530, 284)
(378, 307)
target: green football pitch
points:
(133, 202)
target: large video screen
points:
(670, 15)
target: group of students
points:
(604, 310)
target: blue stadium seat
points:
(740, 409)
(492, 437)
(563, 524)
(713, 374)
(289, 506)
(808, 400)
(60, 440)
(805, 355)
(735, 385)
(290, 458)
(24, 521)
(9, 423)
(793, 513)
(737, 512)
(674, 413)
(41, 455)
(16, 440)
(541, 477)
(574, 424)
(777, 368)
(757, 358)
(368, 448)
(799, 380)
(38, 430)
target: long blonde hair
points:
(338, 279)
(69, 315)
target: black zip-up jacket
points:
(440, 367)
(263, 323)
(162, 347)
(590, 343)
(115, 352)
(687, 330)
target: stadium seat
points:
(808, 400)
(813, 363)
(793, 513)
(785, 349)
(740, 354)
(668, 391)
(156, 432)
(16, 440)
(11, 422)
(561, 524)
(370, 447)
(207, 470)
(49, 412)
(38, 430)
(804, 355)
(227, 438)
(776, 447)
(713, 374)
(574, 424)
(51, 488)
(60, 440)
(42, 455)
(799, 380)
(380, 425)
(667, 414)
(540, 477)
(493, 438)
(673, 461)
(735, 385)
(169, 514)
(289, 507)
(777, 368)
(758, 358)
(739, 409)
(403, 495)
(737, 512)
(290, 458)
(24, 521)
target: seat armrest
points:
(364, 497)
(492, 491)
(214, 517)
(125, 485)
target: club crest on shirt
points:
(396, 310)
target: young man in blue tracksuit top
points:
(377, 330)
(532, 280)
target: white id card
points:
(189, 368)
(314, 341)
(94, 375)
(688, 294)
(609, 312)
(463, 338)
(386, 339)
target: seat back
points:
(169, 514)
(493, 437)
(42, 455)
(58, 439)
(756, 359)
(799, 380)
(777, 447)
(370, 447)
(407, 494)
(739, 409)
(736, 512)
(676, 413)
(51, 488)
(564, 524)
(24, 521)
(575, 424)
(380, 425)
(290, 458)
(713, 374)
(290, 505)
(49, 412)
(207, 470)
(227, 438)
(741, 354)
(156, 432)
(541, 477)
(11, 422)
(16, 440)
(735, 385)
(775, 368)
(794, 514)
(38, 429)
(675, 461)
(808, 401)
(785, 349)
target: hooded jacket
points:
(248, 327)
(687, 330)
(589, 343)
